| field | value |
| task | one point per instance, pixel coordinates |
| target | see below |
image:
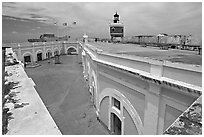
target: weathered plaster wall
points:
(136, 98)
(143, 66)
(129, 126)
(171, 114)
(104, 106)
(186, 76)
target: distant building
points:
(49, 37)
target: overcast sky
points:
(22, 20)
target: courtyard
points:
(65, 94)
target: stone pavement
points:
(65, 93)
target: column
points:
(33, 59)
(44, 52)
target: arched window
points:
(116, 103)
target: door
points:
(115, 124)
(27, 58)
(39, 56)
(49, 55)
(56, 53)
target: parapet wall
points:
(168, 88)
(189, 76)
(31, 117)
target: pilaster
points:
(152, 100)
(44, 52)
(33, 59)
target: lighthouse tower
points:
(116, 29)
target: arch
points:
(39, 57)
(48, 49)
(27, 52)
(56, 51)
(71, 47)
(48, 53)
(126, 103)
(38, 51)
(24, 56)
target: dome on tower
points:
(116, 15)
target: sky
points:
(23, 20)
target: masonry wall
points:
(157, 105)
(171, 114)
(136, 98)
(104, 110)
(186, 76)
(129, 127)
(173, 102)
(32, 48)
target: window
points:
(116, 103)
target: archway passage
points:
(56, 53)
(49, 54)
(27, 58)
(39, 56)
(115, 124)
(71, 51)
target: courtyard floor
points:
(65, 94)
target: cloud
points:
(14, 18)
(14, 32)
(138, 17)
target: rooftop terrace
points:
(173, 55)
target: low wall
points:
(32, 117)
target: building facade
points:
(33, 52)
(137, 95)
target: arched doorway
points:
(27, 58)
(39, 55)
(56, 52)
(71, 51)
(118, 114)
(115, 124)
(48, 54)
